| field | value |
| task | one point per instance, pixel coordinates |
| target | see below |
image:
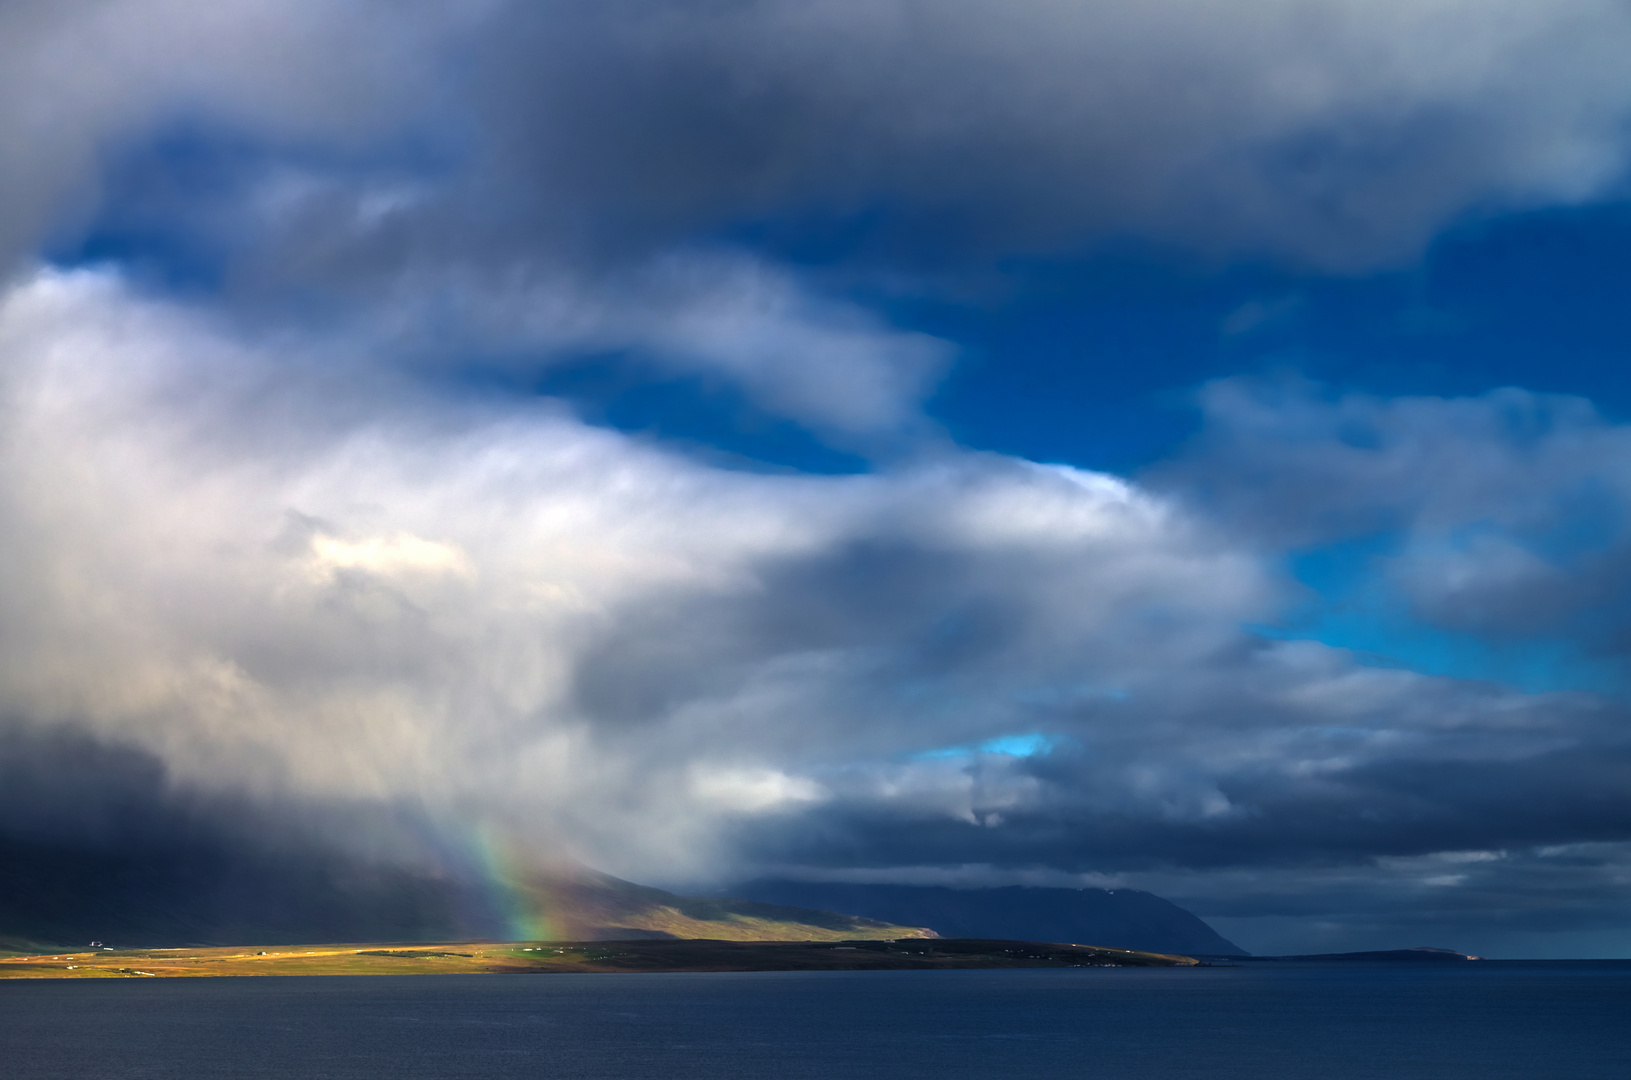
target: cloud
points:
(1288, 755)
(346, 602)
(531, 179)
(1503, 515)
(1336, 132)
(1515, 902)
(387, 557)
(339, 592)
(727, 315)
(85, 79)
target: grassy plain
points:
(543, 957)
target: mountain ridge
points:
(1120, 918)
(587, 905)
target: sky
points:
(1166, 444)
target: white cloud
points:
(828, 364)
(313, 598)
(390, 556)
(754, 791)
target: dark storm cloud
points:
(1335, 132)
(95, 841)
(1240, 783)
(1331, 131)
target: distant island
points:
(1420, 954)
(544, 957)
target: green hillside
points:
(579, 904)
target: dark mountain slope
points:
(205, 892)
(1123, 918)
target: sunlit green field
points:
(523, 957)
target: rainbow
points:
(508, 892)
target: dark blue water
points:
(1488, 1021)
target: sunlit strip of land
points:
(542, 957)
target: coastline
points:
(545, 957)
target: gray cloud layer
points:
(533, 176)
(1328, 130)
(1334, 131)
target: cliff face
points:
(1121, 918)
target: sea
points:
(1482, 1020)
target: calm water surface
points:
(1488, 1021)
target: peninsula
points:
(547, 957)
